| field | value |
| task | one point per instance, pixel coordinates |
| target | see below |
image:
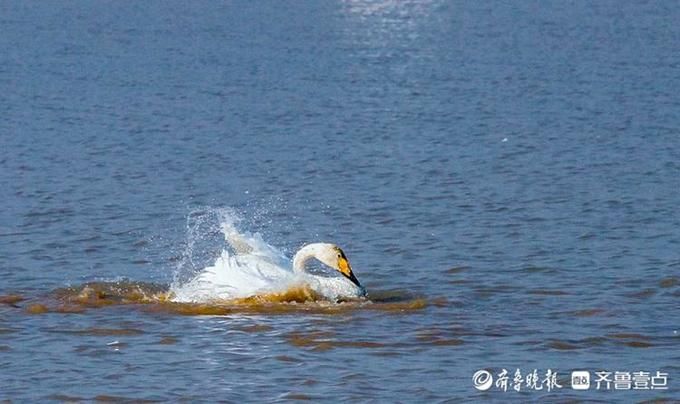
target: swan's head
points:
(334, 257)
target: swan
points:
(254, 268)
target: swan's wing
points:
(253, 245)
(233, 277)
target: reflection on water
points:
(387, 28)
(390, 15)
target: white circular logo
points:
(482, 380)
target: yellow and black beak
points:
(346, 270)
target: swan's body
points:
(256, 268)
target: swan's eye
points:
(340, 254)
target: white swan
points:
(256, 268)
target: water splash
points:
(245, 264)
(203, 241)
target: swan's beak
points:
(346, 270)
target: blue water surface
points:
(515, 164)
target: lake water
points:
(503, 176)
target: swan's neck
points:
(305, 254)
